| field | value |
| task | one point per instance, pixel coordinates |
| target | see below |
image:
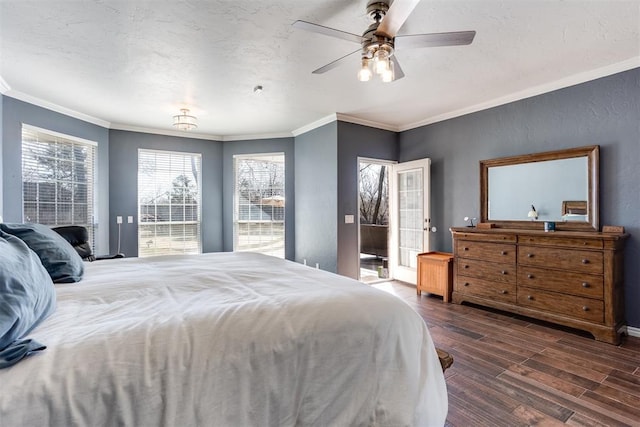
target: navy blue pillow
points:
(27, 297)
(57, 255)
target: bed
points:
(225, 339)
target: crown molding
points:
(572, 80)
(4, 86)
(344, 118)
(257, 136)
(369, 123)
(56, 108)
(166, 132)
(313, 125)
(193, 135)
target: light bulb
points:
(387, 75)
(381, 59)
(364, 75)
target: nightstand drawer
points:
(563, 259)
(586, 285)
(493, 271)
(568, 305)
(494, 252)
(499, 291)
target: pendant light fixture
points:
(185, 121)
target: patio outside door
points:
(410, 217)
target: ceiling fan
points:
(379, 42)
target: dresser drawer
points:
(494, 252)
(569, 305)
(568, 242)
(499, 291)
(586, 285)
(563, 259)
(489, 237)
(493, 271)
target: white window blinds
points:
(169, 202)
(58, 175)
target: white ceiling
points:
(133, 64)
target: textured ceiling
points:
(133, 64)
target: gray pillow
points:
(57, 255)
(27, 297)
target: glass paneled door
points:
(410, 217)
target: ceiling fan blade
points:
(398, 12)
(457, 38)
(397, 70)
(331, 32)
(334, 64)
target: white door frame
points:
(396, 271)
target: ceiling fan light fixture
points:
(185, 121)
(378, 41)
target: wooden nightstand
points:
(435, 274)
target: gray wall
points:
(316, 177)
(14, 114)
(123, 184)
(603, 112)
(356, 141)
(279, 145)
(1, 138)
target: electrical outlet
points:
(349, 219)
(118, 219)
(130, 219)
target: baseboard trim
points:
(633, 332)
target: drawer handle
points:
(530, 297)
(529, 276)
(503, 272)
(585, 285)
(503, 252)
(503, 292)
(466, 284)
(465, 249)
(466, 266)
(585, 261)
(585, 308)
(529, 255)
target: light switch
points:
(130, 219)
(118, 219)
(349, 219)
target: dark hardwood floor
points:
(514, 371)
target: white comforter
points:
(226, 339)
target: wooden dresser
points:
(571, 278)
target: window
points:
(58, 176)
(259, 204)
(169, 203)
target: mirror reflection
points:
(553, 190)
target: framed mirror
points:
(525, 191)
